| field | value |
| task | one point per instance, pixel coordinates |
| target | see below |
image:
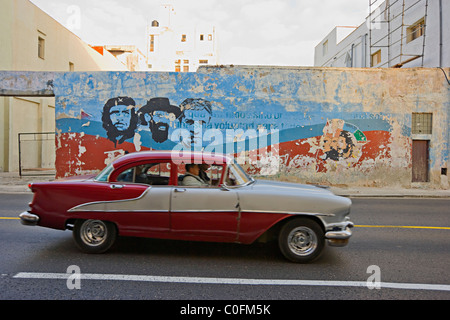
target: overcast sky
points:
(250, 32)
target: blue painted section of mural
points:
(140, 111)
(82, 96)
(352, 122)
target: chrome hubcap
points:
(94, 232)
(302, 241)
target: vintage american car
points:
(142, 195)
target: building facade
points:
(171, 47)
(396, 33)
(33, 41)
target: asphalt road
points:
(413, 262)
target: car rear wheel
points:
(301, 240)
(94, 236)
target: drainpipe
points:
(364, 50)
(351, 60)
(440, 33)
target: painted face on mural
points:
(329, 145)
(119, 119)
(161, 125)
(337, 147)
(196, 116)
(161, 118)
(337, 143)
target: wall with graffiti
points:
(328, 126)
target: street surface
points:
(413, 262)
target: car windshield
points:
(238, 175)
(104, 174)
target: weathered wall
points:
(329, 126)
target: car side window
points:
(155, 174)
(158, 174)
(209, 175)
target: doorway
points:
(420, 160)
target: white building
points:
(396, 33)
(179, 48)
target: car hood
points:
(293, 198)
(264, 184)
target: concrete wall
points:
(314, 125)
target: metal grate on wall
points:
(422, 123)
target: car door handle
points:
(116, 186)
(180, 190)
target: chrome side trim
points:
(291, 212)
(123, 211)
(80, 207)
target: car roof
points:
(185, 156)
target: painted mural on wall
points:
(104, 115)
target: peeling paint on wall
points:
(333, 126)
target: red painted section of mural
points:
(80, 153)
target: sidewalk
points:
(10, 182)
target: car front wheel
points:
(94, 236)
(301, 240)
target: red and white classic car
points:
(150, 194)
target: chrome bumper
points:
(339, 238)
(28, 219)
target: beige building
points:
(33, 41)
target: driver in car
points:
(192, 176)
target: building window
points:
(177, 68)
(375, 58)
(203, 61)
(202, 37)
(185, 68)
(209, 37)
(71, 66)
(325, 48)
(422, 123)
(183, 38)
(152, 43)
(415, 31)
(186, 61)
(41, 48)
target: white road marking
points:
(230, 281)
